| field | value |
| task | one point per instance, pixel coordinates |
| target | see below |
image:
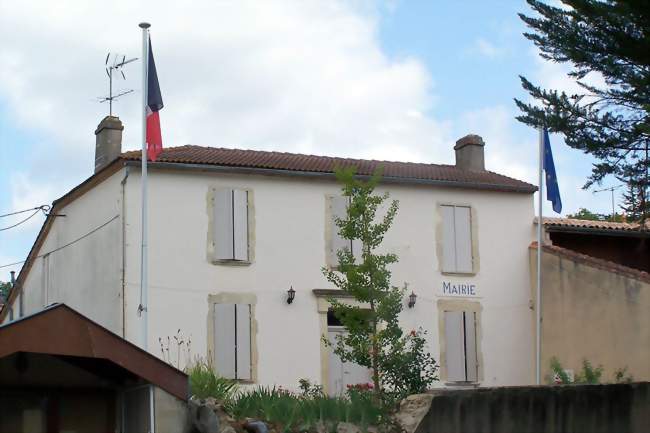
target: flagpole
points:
(538, 301)
(142, 308)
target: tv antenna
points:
(119, 61)
(611, 189)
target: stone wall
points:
(547, 409)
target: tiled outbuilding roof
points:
(294, 162)
(570, 223)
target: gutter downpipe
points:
(123, 183)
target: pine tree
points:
(634, 203)
(610, 38)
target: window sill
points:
(462, 385)
(462, 274)
(232, 262)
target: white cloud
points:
(504, 153)
(297, 76)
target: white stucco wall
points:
(289, 250)
(85, 275)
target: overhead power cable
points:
(21, 221)
(44, 208)
(68, 244)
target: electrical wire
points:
(20, 222)
(44, 208)
(68, 244)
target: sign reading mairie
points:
(458, 289)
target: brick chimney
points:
(108, 141)
(469, 153)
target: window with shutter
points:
(461, 350)
(230, 225)
(232, 340)
(338, 209)
(456, 239)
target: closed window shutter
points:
(471, 361)
(454, 340)
(448, 239)
(243, 338)
(463, 231)
(357, 250)
(223, 224)
(338, 209)
(224, 340)
(240, 224)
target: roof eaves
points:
(525, 188)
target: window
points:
(456, 239)
(230, 234)
(232, 340)
(338, 206)
(461, 350)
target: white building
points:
(230, 231)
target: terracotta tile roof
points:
(593, 225)
(294, 162)
(595, 262)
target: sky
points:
(385, 79)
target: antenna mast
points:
(116, 66)
(611, 189)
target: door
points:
(342, 374)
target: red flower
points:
(413, 333)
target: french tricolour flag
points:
(154, 105)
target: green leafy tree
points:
(374, 338)
(586, 214)
(5, 287)
(610, 38)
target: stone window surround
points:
(234, 298)
(473, 231)
(210, 253)
(459, 305)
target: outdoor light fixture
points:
(412, 298)
(290, 295)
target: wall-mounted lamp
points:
(412, 298)
(291, 294)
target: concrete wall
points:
(563, 409)
(170, 413)
(594, 313)
(86, 275)
(288, 239)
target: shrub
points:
(204, 383)
(621, 376)
(589, 373)
(409, 370)
(559, 376)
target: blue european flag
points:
(552, 189)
